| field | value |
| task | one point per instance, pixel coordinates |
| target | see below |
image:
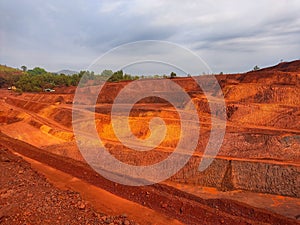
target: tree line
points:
(38, 79)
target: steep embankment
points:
(28, 198)
(260, 151)
(172, 202)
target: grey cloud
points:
(63, 34)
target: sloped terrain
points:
(28, 198)
(260, 152)
(174, 203)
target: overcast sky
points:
(230, 36)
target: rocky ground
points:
(26, 197)
(259, 154)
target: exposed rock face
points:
(257, 176)
(260, 151)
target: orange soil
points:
(263, 119)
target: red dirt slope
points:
(27, 198)
(293, 66)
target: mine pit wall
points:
(253, 103)
(255, 176)
(226, 174)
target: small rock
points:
(4, 159)
(81, 205)
(126, 222)
(164, 205)
(181, 209)
(27, 213)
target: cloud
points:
(109, 7)
(231, 36)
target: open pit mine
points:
(254, 178)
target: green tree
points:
(2, 82)
(37, 71)
(256, 68)
(107, 73)
(117, 76)
(172, 75)
(24, 68)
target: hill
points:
(293, 66)
(6, 71)
(9, 75)
(67, 72)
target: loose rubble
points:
(26, 197)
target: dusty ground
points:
(172, 202)
(260, 152)
(26, 197)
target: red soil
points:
(184, 207)
(260, 152)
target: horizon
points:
(147, 75)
